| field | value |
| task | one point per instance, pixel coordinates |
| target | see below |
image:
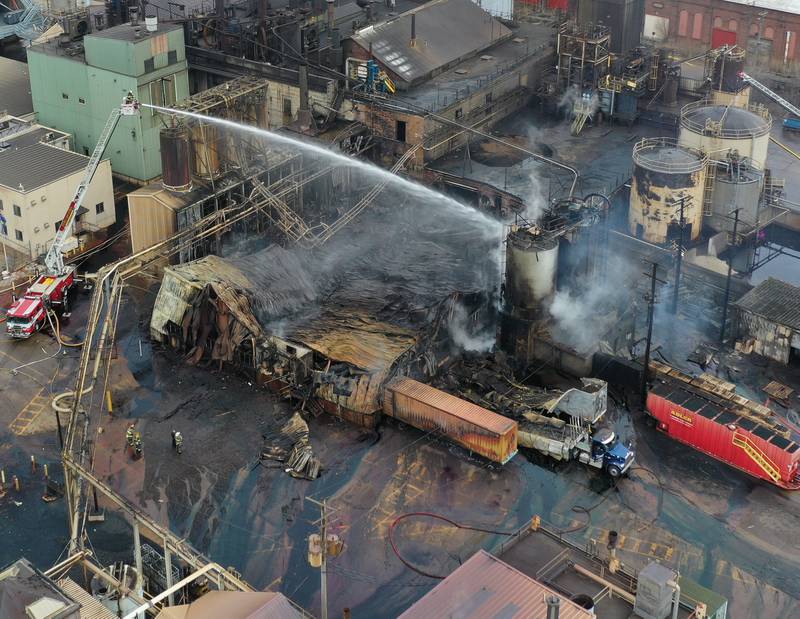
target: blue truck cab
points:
(609, 453)
(791, 124)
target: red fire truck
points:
(51, 289)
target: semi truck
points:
(567, 428)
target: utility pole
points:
(651, 302)
(678, 256)
(320, 547)
(735, 213)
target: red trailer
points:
(739, 432)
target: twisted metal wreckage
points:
(330, 328)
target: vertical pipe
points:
(553, 606)
(168, 572)
(678, 259)
(324, 568)
(137, 554)
(650, 305)
(303, 76)
(331, 17)
(414, 29)
(728, 280)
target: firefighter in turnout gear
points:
(177, 441)
(137, 445)
(129, 435)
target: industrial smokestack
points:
(331, 20)
(304, 113)
(413, 30)
(553, 606)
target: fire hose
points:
(56, 326)
(407, 563)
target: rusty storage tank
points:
(728, 88)
(432, 410)
(531, 267)
(719, 129)
(175, 156)
(205, 151)
(736, 186)
(663, 172)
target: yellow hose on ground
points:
(58, 332)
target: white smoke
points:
(573, 96)
(582, 316)
(461, 332)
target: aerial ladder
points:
(51, 289)
(771, 94)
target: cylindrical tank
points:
(175, 155)
(719, 129)
(727, 70)
(531, 265)
(663, 173)
(737, 99)
(738, 187)
(205, 150)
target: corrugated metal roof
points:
(487, 588)
(90, 607)
(447, 31)
(774, 300)
(236, 605)
(451, 404)
(37, 165)
(15, 88)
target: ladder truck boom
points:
(747, 79)
(29, 313)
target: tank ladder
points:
(708, 189)
(758, 456)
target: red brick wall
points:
(720, 13)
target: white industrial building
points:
(38, 178)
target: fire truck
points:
(51, 290)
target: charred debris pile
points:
(330, 327)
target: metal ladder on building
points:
(771, 94)
(758, 456)
(653, 81)
(708, 189)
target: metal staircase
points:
(758, 456)
(289, 222)
(772, 95)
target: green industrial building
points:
(75, 87)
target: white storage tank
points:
(663, 173)
(719, 129)
(531, 265)
(738, 185)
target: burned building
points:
(769, 320)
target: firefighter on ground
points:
(137, 444)
(177, 441)
(129, 435)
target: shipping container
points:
(469, 425)
(722, 428)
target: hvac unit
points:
(36, 229)
(653, 592)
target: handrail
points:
(723, 131)
(646, 153)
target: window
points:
(18, 234)
(81, 100)
(99, 208)
(753, 30)
(400, 131)
(287, 106)
(697, 26)
(683, 23)
(791, 48)
(57, 224)
(459, 113)
(17, 211)
(4, 229)
(64, 95)
(149, 65)
(717, 22)
(1, 205)
(769, 33)
(733, 25)
(172, 57)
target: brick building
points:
(767, 29)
